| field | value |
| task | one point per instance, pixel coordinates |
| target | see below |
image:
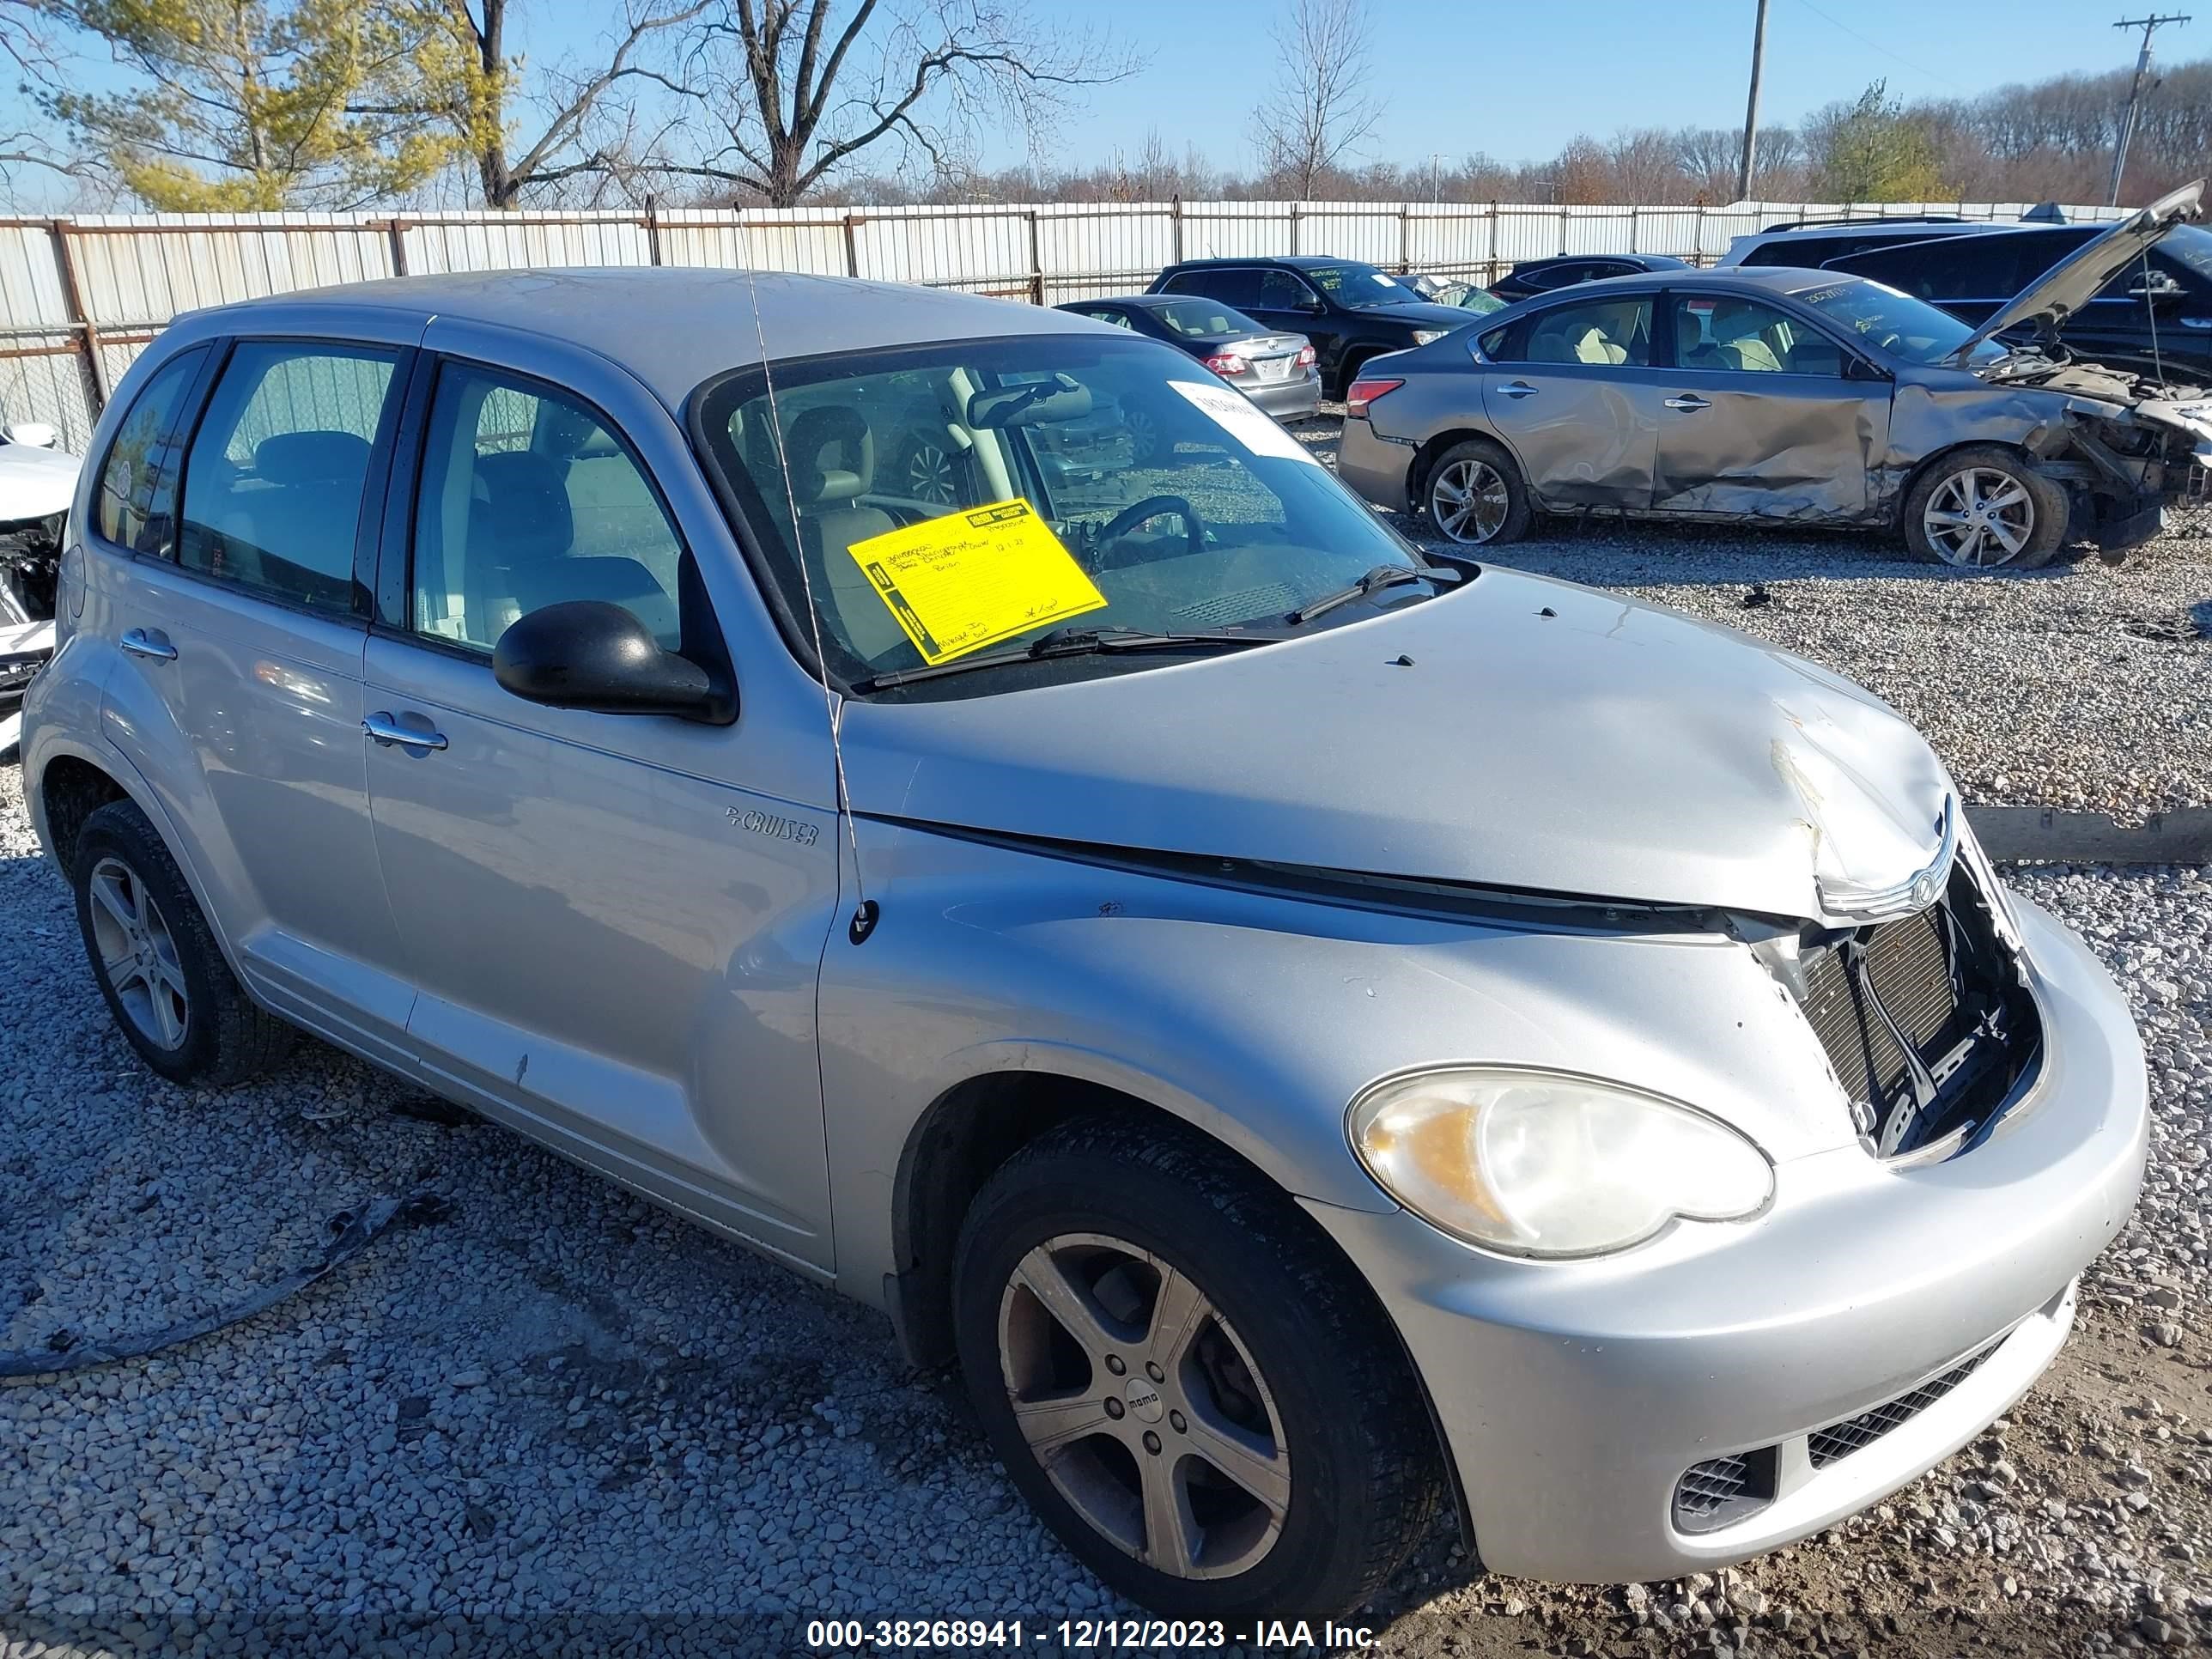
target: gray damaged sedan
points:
(1633, 1113)
(1759, 394)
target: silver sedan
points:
(1781, 395)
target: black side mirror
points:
(592, 655)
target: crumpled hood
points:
(35, 483)
(2078, 278)
(1423, 313)
(1612, 749)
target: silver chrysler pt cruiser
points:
(1312, 1031)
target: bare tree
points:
(1318, 109)
(791, 90)
(584, 128)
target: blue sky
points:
(1518, 80)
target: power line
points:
(2149, 26)
(1876, 45)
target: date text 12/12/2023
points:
(1077, 1635)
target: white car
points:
(37, 480)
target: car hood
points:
(1541, 738)
(35, 483)
(1419, 312)
(2076, 280)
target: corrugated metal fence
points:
(80, 297)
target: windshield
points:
(1203, 320)
(2187, 247)
(1359, 286)
(1897, 323)
(979, 494)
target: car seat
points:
(1737, 342)
(522, 557)
(832, 455)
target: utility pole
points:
(1751, 111)
(2149, 26)
(1435, 178)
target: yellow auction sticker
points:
(975, 577)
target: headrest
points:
(303, 458)
(815, 477)
(526, 506)
(1730, 312)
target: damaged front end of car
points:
(1925, 1014)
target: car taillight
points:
(1226, 363)
(1365, 392)
(1305, 357)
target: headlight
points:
(1547, 1163)
(1423, 336)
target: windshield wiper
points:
(1382, 576)
(1065, 642)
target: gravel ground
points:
(560, 1421)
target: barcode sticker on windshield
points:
(972, 577)
(1245, 420)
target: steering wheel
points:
(1153, 507)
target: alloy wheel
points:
(1144, 437)
(1977, 518)
(138, 955)
(932, 475)
(1143, 1405)
(1469, 500)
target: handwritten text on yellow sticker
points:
(975, 577)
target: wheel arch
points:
(1931, 462)
(71, 787)
(1434, 448)
(969, 1132)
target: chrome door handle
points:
(1688, 400)
(142, 643)
(1518, 389)
(386, 731)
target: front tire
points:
(156, 961)
(1984, 508)
(1474, 495)
(1185, 1381)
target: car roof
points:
(1775, 279)
(1149, 302)
(1302, 261)
(673, 327)
(1903, 230)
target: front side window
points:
(1282, 291)
(1725, 332)
(138, 483)
(1130, 471)
(527, 500)
(1600, 332)
(273, 484)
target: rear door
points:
(1762, 414)
(1573, 391)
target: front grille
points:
(1908, 970)
(1840, 1440)
(1944, 981)
(1721, 1490)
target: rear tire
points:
(1983, 507)
(167, 987)
(1272, 1359)
(1475, 495)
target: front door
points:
(239, 696)
(616, 940)
(1760, 418)
(1287, 304)
(1572, 392)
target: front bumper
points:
(1375, 469)
(1573, 1396)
